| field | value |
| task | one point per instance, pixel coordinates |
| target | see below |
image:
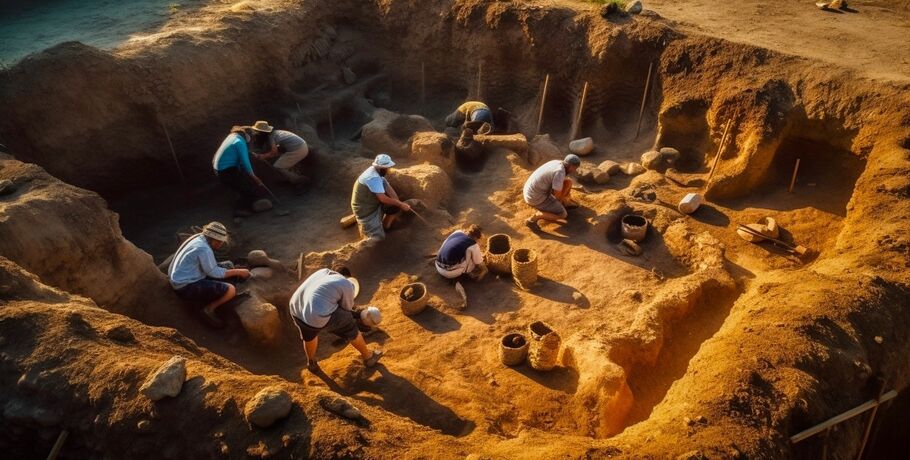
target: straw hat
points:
(215, 231)
(371, 316)
(262, 127)
(383, 161)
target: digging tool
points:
(720, 148)
(420, 217)
(799, 250)
(58, 445)
(543, 100)
(793, 178)
(171, 145)
(581, 107)
(644, 97)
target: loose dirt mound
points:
(703, 346)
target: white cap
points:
(371, 316)
(383, 161)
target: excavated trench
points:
(657, 311)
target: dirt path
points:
(799, 28)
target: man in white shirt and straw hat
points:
(373, 200)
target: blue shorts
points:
(206, 290)
(482, 115)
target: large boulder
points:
(268, 406)
(260, 320)
(582, 146)
(434, 148)
(165, 381)
(390, 132)
(428, 183)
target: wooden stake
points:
(720, 148)
(581, 107)
(331, 126)
(173, 152)
(479, 79)
(644, 96)
(862, 446)
(543, 101)
(793, 178)
(58, 445)
(423, 86)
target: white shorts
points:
(287, 160)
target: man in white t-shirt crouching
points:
(325, 302)
(548, 190)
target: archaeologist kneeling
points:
(289, 148)
(470, 111)
(195, 274)
(461, 255)
(234, 170)
(374, 201)
(325, 302)
(548, 190)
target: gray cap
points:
(572, 159)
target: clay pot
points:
(634, 227)
(413, 298)
(544, 348)
(524, 268)
(513, 349)
(499, 253)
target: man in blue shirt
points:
(194, 273)
(233, 168)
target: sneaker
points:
(533, 225)
(373, 359)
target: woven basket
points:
(416, 302)
(524, 268)
(499, 253)
(634, 227)
(513, 349)
(544, 350)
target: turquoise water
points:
(30, 26)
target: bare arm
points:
(389, 201)
(237, 272)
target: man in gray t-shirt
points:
(548, 189)
(290, 149)
(325, 301)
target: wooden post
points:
(543, 101)
(479, 79)
(825, 443)
(720, 148)
(423, 86)
(793, 178)
(58, 445)
(331, 126)
(173, 152)
(878, 398)
(644, 96)
(581, 107)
